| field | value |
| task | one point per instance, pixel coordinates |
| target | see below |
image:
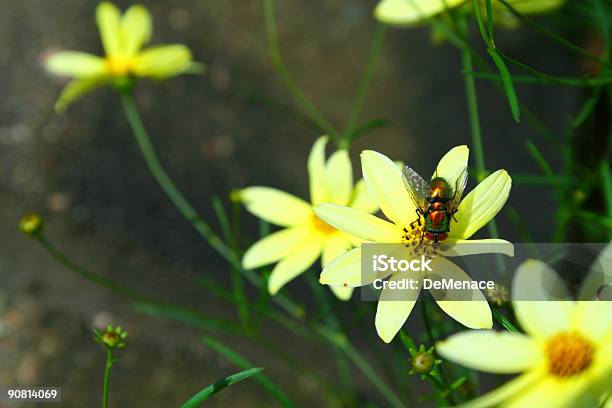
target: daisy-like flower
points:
(565, 357)
(123, 37)
(306, 237)
(406, 13)
(385, 182)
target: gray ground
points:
(83, 172)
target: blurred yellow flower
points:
(406, 13)
(565, 357)
(385, 182)
(123, 37)
(306, 237)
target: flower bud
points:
(422, 361)
(111, 338)
(497, 296)
(31, 224)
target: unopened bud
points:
(31, 224)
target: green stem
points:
(279, 65)
(107, 369)
(506, 324)
(164, 180)
(472, 102)
(606, 178)
(156, 168)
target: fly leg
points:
(418, 220)
(453, 215)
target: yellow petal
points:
(345, 271)
(319, 193)
(543, 319)
(294, 264)
(136, 29)
(534, 6)
(473, 313)
(506, 392)
(339, 177)
(552, 393)
(341, 292)
(360, 224)
(461, 247)
(108, 17)
(274, 247)
(362, 199)
(386, 183)
(404, 13)
(335, 246)
(275, 206)
(392, 311)
(599, 277)
(490, 351)
(75, 89)
(594, 319)
(452, 164)
(76, 64)
(162, 61)
(481, 205)
(534, 280)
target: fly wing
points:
(458, 190)
(417, 187)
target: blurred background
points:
(223, 130)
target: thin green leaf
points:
(546, 80)
(364, 83)
(558, 39)
(222, 217)
(219, 385)
(407, 341)
(489, 8)
(187, 316)
(542, 163)
(506, 324)
(606, 181)
(587, 108)
(458, 383)
(236, 277)
(237, 359)
(481, 25)
(366, 128)
(214, 288)
(537, 180)
(292, 87)
(507, 82)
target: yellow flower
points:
(405, 13)
(123, 37)
(565, 357)
(306, 237)
(385, 182)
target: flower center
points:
(568, 354)
(119, 66)
(322, 226)
(414, 239)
